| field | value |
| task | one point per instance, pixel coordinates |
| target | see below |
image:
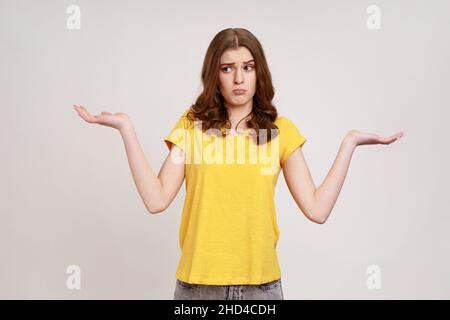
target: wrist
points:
(350, 139)
(126, 127)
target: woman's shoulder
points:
(285, 124)
(186, 111)
(281, 121)
(185, 121)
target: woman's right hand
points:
(117, 120)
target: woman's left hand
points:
(360, 138)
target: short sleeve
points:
(290, 138)
(179, 132)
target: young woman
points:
(228, 232)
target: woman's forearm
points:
(327, 193)
(146, 180)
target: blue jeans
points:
(266, 291)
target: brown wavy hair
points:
(209, 107)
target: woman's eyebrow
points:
(232, 63)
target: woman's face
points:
(237, 71)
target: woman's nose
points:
(238, 78)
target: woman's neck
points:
(237, 113)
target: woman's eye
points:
(249, 66)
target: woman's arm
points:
(317, 203)
(157, 192)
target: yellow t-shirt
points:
(228, 232)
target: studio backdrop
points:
(72, 224)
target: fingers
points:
(82, 112)
(398, 134)
(395, 137)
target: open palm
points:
(117, 120)
(361, 138)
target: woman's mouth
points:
(239, 92)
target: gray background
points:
(67, 195)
